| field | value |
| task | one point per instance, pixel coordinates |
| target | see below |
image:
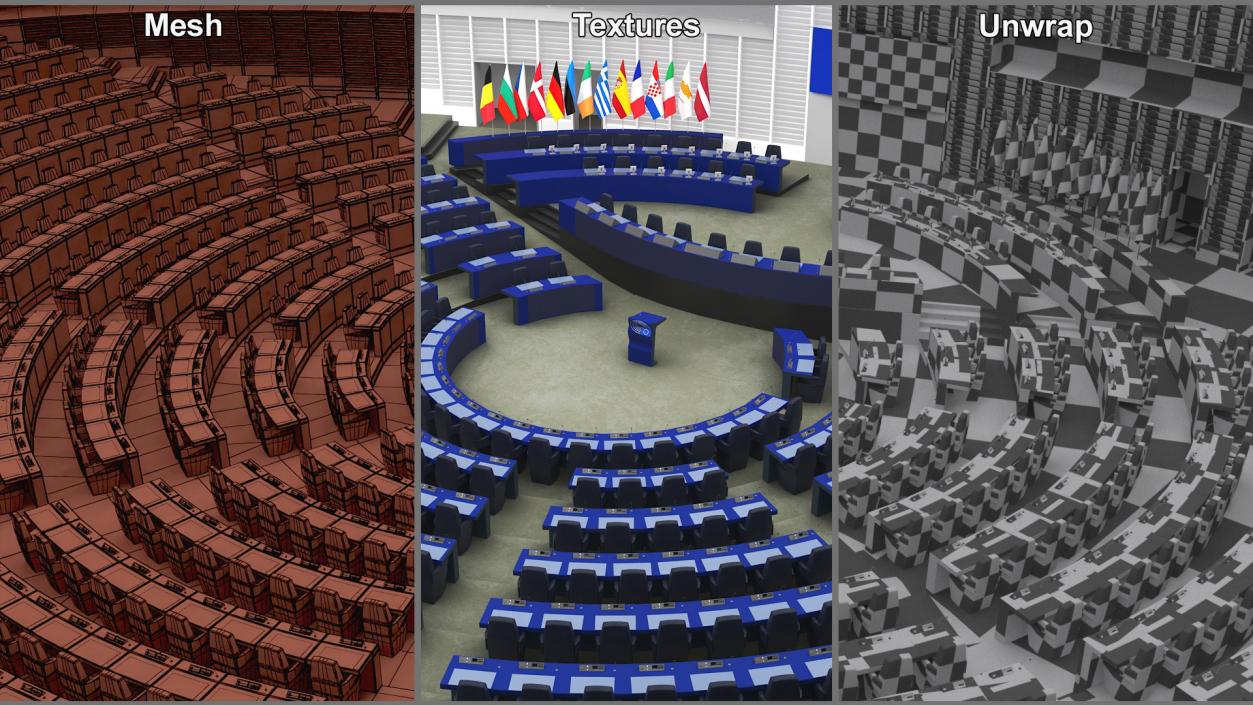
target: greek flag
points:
(603, 106)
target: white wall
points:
(818, 147)
(758, 73)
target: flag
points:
(571, 103)
(1098, 182)
(702, 94)
(1153, 212)
(487, 104)
(519, 94)
(1042, 157)
(1059, 169)
(601, 101)
(1026, 152)
(683, 101)
(1140, 188)
(652, 99)
(998, 144)
(553, 100)
(506, 102)
(586, 107)
(1011, 152)
(1102, 203)
(637, 92)
(621, 93)
(535, 101)
(1124, 192)
(1085, 168)
(667, 102)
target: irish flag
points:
(507, 101)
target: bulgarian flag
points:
(621, 94)
(535, 101)
(487, 106)
(667, 102)
(507, 101)
(553, 99)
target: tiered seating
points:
(858, 427)
(186, 370)
(357, 410)
(267, 287)
(232, 567)
(357, 209)
(1124, 367)
(31, 354)
(276, 418)
(445, 250)
(669, 486)
(703, 525)
(441, 187)
(795, 460)
(397, 445)
(385, 322)
(44, 61)
(335, 298)
(115, 105)
(319, 189)
(97, 382)
(131, 599)
(1231, 680)
(455, 214)
(84, 81)
(188, 87)
(920, 656)
(254, 103)
(319, 120)
(1011, 683)
(394, 231)
(869, 604)
(285, 161)
(358, 486)
(455, 468)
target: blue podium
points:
(642, 337)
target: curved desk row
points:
(384, 323)
(1011, 683)
(470, 507)
(556, 296)
(784, 450)
(397, 447)
(731, 286)
(878, 296)
(276, 417)
(252, 295)
(44, 62)
(186, 86)
(27, 364)
(356, 408)
(318, 189)
(357, 209)
(353, 484)
(458, 213)
(649, 478)
(254, 136)
(319, 308)
(218, 114)
(596, 525)
(106, 280)
(186, 372)
(867, 604)
(46, 90)
(492, 274)
(904, 659)
(75, 112)
(1229, 681)
(504, 469)
(285, 161)
(440, 187)
(499, 167)
(465, 151)
(441, 251)
(1116, 364)
(735, 193)
(97, 391)
(394, 231)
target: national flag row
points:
(611, 96)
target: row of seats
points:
(358, 209)
(43, 60)
(796, 459)
(869, 604)
(187, 366)
(683, 231)
(277, 420)
(397, 447)
(356, 408)
(254, 102)
(351, 483)
(116, 105)
(646, 487)
(319, 189)
(32, 351)
(320, 119)
(706, 525)
(22, 98)
(189, 85)
(334, 299)
(459, 469)
(394, 231)
(385, 322)
(98, 378)
(285, 162)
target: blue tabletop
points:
(464, 151)
(468, 505)
(818, 435)
(650, 478)
(729, 192)
(644, 519)
(434, 448)
(793, 351)
(467, 202)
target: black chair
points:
(683, 231)
(827, 260)
(713, 486)
(583, 585)
(630, 494)
(535, 143)
(661, 691)
(621, 455)
(766, 432)
(605, 200)
(724, 690)
(448, 523)
(471, 691)
(654, 223)
(589, 162)
(726, 638)
(664, 454)
(448, 475)
(597, 692)
(434, 579)
(428, 170)
(652, 140)
(484, 484)
(470, 435)
(502, 445)
(791, 417)
(772, 150)
(673, 492)
(790, 253)
(813, 389)
(633, 587)
(672, 642)
(534, 585)
(504, 641)
(743, 146)
(580, 456)
(715, 166)
(614, 643)
(623, 140)
(587, 494)
(712, 532)
(682, 142)
(565, 140)
(781, 631)
(568, 536)
(752, 247)
(815, 569)
(630, 213)
(541, 462)
(731, 580)
(783, 687)
(555, 269)
(776, 574)
(684, 163)
(558, 644)
(536, 691)
(797, 475)
(703, 447)
(732, 453)
(655, 161)
(681, 585)
(617, 538)
(622, 162)
(748, 171)
(820, 627)
(666, 536)
(718, 240)
(759, 525)
(711, 143)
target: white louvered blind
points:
(430, 53)
(489, 39)
(456, 64)
(756, 67)
(791, 72)
(688, 51)
(588, 49)
(620, 49)
(724, 66)
(554, 45)
(521, 37)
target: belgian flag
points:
(487, 103)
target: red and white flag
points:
(702, 94)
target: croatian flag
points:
(652, 100)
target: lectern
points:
(642, 337)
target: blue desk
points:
(608, 566)
(499, 166)
(464, 330)
(701, 189)
(650, 478)
(644, 618)
(557, 296)
(793, 352)
(688, 516)
(465, 151)
(442, 550)
(467, 505)
(430, 294)
(820, 500)
(457, 213)
(505, 469)
(490, 275)
(688, 678)
(441, 187)
(446, 250)
(783, 450)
